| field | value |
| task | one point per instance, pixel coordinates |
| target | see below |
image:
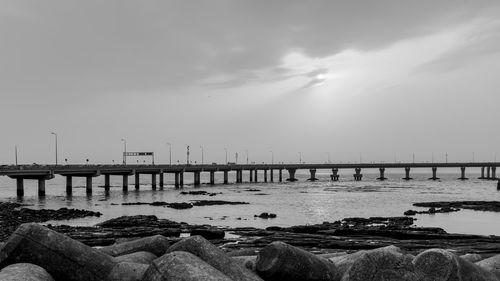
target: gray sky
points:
(380, 78)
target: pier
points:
(42, 173)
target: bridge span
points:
(47, 172)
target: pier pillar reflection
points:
(88, 186)
(313, 175)
(197, 177)
(335, 174)
(69, 184)
(357, 175)
(153, 181)
(212, 177)
(462, 174)
(106, 182)
(382, 174)
(291, 175)
(162, 180)
(434, 174)
(20, 186)
(125, 182)
(41, 187)
(407, 174)
(137, 180)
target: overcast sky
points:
(377, 79)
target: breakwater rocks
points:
(34, 252)
(13, 214)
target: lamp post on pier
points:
(201, 146)
(55, 143)
(225, 149)
(124, 151)
(169, 153)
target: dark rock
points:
(266, 215)
(217, 202)
(180, 206)
(491, 206)
(208, 233)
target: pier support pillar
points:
(462, 174)
(494, 173)
(137, 180)
(162, 180)
(69, 184)
(20, 186)
(212, 177)
(271, 173)
(280, 175)
(239, 176)
(197, 178)
(88, 186)
(313, 175)
(407, 174)
(482, 173)
(226, 176)
(41, 187)
(176, 184)
(106, 182)
(265, 175)
(255, 175)
(434, 176)
(291, 175)
(251, 175)
(335, 174)
(181, 179)
(357, 175)
(382, 174)
(488, 173)
(153, 181)
(498, 185)
(125, 182)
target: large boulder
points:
(182, 266)
(137, 257)
(279, 261)
(215, 257)
(157, 245)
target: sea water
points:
(294, 203)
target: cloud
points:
(91, 48)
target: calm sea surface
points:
(295, 203)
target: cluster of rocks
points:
(432, 210)
(186, 205)
(14, 214)
(34, 252)
(489, 206)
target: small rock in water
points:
(266, 215)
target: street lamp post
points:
(300, 157)
(226, 154)
(187, 154)
(247, 155)
(56, 144)
(169, 153)
(16, 153)
(202, 154)
(272, 157)
(124, 151)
